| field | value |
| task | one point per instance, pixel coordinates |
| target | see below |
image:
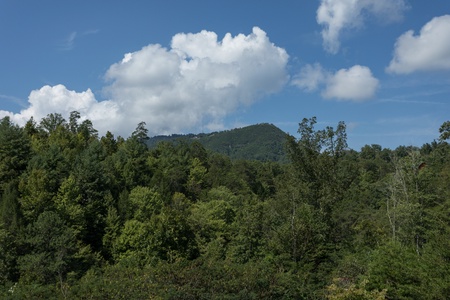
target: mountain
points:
(263, 142)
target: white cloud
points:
(430, 50)
(354, 84)
(58, 99)
(338, 15)
(198, 81)
(195, 83)
(310, 77)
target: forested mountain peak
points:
(263, 142)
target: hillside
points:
(263, 142)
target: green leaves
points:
(400, 271)
(212, 221)
(84, 217)
(141, 133)
(14, 151)
(444, 130)
(145, 203)
(51, 245)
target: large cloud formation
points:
(338, 15)
(428, 51)
(58, 99)
(355, 84)
(197, 82)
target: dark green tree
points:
(140, 133)
(51, 248)
(10, 209)
(8, 257)
(92, 185)
(52, 122)
(444, 130)
(15, 151)
(73, 121)
(109, 143)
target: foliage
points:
(444, 131)
(339, 290)
(89, 217)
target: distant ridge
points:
(263, 142)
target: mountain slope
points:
(264, 142)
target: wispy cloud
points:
(68, 43)
(90, 31)
(411, 121)
(406, 101)
(13, 99)
(422, 97)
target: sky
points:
(381, 66)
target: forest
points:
(90, 217)
(264, 142)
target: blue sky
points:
(381, 66)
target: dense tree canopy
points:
(89, 217)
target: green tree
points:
(46, 170)
(299, 231)
(145, 203)
(92, 185)
(69, 204)
(109, 143)
(340, 290)
(15, 151)
(73, 121)
(134, 245)
(212, 221)
(315, 157)
(129, 165)
(172, 233)
(87, 132)
(400, 271)
(112, 231)
(8, 256)
(170, 165)
(196, 179)
(404, 204)
(51, 247)
(250, 227)
(50, 123)
(219, 167)
(444, 130)
(140, 133)
(10, 209)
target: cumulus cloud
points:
(338, 15)
(58, 99)
(354, 84)
(310, 77)
(430, 50)
(197, 82)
